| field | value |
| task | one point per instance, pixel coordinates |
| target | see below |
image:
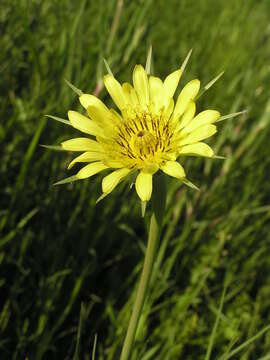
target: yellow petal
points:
(171, 83)
(103, 122)
(115, 164)
(155, 87)
(115, 90)
(169, 108)
(203, 118)
(110, 181)
(130, 94)
(84, 124)
(91, 169)
(201, 133)
(101, 116)
(197, 149)
(115, 116)
(144, 186)
(170, 156)
(81, 144)
(188, 93)
(150, 167)
(141, 85)
(87, 157)
(174, 169)
(95, 107)
(156, 91)
(187, 116)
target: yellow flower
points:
(149, 132)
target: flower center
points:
(141, 133)
(142, 138)
(143, 143)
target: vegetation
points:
(69, 267)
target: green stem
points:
(143, 285)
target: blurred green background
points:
(68, 266)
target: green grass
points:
(68, 266)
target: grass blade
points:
(94, 348)
(76, 353)
(214, 331)
(246, 343)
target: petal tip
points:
(71, 113)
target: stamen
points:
(143, 137)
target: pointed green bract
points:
(190, 184)
(56, 118)
(183, 66)
(53, 147)
(232, 115)
(108, 67)
(67, 180)
(219, 157)
(209, 85)
(74, 88)
(148, 61)
(101, 197)
(143, 208)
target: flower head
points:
(149, 131)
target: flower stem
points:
(153, 238)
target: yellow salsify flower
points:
(149, 132)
